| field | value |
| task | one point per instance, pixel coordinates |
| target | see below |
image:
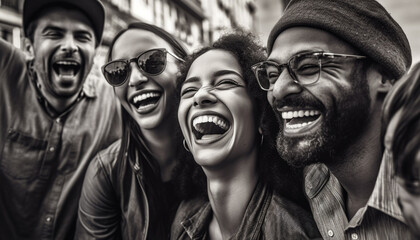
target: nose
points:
(204, 97)
(285, 85)
(136, 77)
(69, 45)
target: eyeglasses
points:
(151, 63)
(412, 186)
(304, 68)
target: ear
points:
(29, 49)
(385, 84)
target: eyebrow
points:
(216, 74)
(54, 28)
(59, 29)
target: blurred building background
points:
(200, 22)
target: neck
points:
(358, 167)
(161, 143)
(230, 190)
(59, 104)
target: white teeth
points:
(210, 118)
(69, 63)
(145, 96)
(298, 125)
(301, 113)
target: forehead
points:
(64, 18)
(300, 39)
(134, 41)
(213, 61)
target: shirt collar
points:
(383, 197)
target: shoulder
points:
(287, 219)
(12, 59)
(106, 159)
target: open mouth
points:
(207, 126)
(146, 101)
(66, 68)
(300, 119)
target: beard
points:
(342, 125)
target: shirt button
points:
(52, 149)
(354, 236)
(48, 219)
(330, 233)
(58, 120)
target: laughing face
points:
(216, 111)
(317, 120)
(63, 50)
(148, 99)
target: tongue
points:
(209, 128)
(66, 71)
(303, 119)
(146, 102)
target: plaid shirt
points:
(381, 218)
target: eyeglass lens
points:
(304, 68)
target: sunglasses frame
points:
(136, 60)
(292, 71)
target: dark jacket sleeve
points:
(99, 214)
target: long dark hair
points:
(272, 170)
(133, 149)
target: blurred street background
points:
(200, 22)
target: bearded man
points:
(330, 65)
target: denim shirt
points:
(43, 159)
(267, 216)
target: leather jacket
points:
(113, 204)
(268, 216)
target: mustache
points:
(67, 56)
(298, 101)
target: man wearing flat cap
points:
(55, 117)
(330, 65)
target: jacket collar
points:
(196, 224)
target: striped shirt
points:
(381, 218)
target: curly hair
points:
(273, 170)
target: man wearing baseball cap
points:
(55, 117)
(330, 65)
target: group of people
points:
(315, 136)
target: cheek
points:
(121, 93)
(182, 116)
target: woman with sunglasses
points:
(128, 192)
(401, 121)
(228, 186)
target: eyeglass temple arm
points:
(176, 57)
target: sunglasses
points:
(150, 63)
